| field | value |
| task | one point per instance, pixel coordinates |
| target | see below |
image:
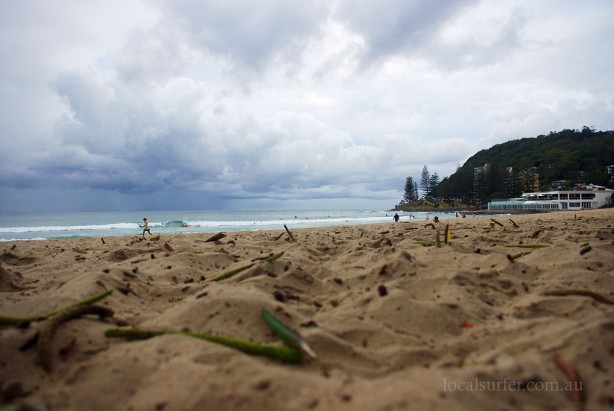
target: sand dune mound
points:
(499, 315)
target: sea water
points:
(41, 226)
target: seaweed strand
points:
(16, 321)
(46, 334)
(286, 333)
(230, 273)
(285, 354)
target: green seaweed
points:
(16, 321)
(274, 257)
(230, 273)
(51, 325)
(286, 333)
(285, 354)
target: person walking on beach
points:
(396, 218)
(145, 227)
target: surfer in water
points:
(145, 227)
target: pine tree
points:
(425, 181)
(411, 193)
(433, 184)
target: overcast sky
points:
(242, 104)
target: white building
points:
(588, 197)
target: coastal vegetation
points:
(559, 160)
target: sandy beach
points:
(504, 313)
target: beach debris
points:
(309, 324)
(168, 247)
(56, 318)
(514, 223)
(430, 224)
(288, 335)
(437, 240)
(102, 239)
(215, 237)
(230, 273)
(20, 321)
(536, 233)
(496, 222)
(466, 324)
(289, 233)
(383, 240)
(125, 289)
(574, 386)
(585, 250)
(46, 333)
(534, 245)
(12, 391)
(282, 353)
(423, 243)
(512, 258)
(446, 234)
(579, 292)
(279, 296)
(382, 290)
(235, 271)
(68, 344)
(274, 257)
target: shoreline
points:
(382, 306)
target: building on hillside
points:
(584, 197)
(529, 179)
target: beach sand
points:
(396, 322)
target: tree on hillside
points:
(425, 181)
(433, 184)
(411, 190)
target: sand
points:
(396, 322)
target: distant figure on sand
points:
(396, 218)
(145, 227)
(436, 219)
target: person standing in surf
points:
(145, 227)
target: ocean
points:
(42, 226)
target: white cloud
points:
(284, 103)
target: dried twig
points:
(47, 332)
(538, 245)
(215, 237)
(514, 223)
(576, 389)
(496, 222)
(585, 250)
(579, 292)
(289, 233)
